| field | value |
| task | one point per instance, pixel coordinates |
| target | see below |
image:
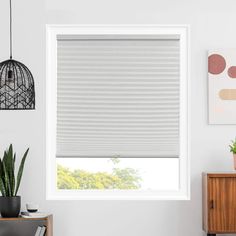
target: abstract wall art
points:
(222, 86)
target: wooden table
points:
(25, 226)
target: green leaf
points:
(10, 151)
(1, 169)
(233, 146)
(6, 179)
(13, 174)
(9, 163)
(2, 188)
(20, 171)
(3, 172)
(11, 169)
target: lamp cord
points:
(10, 30)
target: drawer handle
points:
(212, 205)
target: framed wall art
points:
(222, 86)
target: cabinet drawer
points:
(219, 203)
(222, 204)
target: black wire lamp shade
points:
(16, 83)
(16, 86)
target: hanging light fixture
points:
(16, 82)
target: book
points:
(37, 233)
(42, 231)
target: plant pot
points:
(10, 206)
(234, 155)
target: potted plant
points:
(10, 203)
(233, 150)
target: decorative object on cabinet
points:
(222, 86)
(10, 203)
(219, 203)
(233, 150)
(16, 82)
(32, 207)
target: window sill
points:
(117, 195)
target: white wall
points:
(212, 26)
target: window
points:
(117, 120)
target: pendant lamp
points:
(16, 82)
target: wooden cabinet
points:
(219, 203)
(24, 226)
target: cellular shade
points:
(118, 96)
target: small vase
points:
(10, 206)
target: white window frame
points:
(52, 193)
